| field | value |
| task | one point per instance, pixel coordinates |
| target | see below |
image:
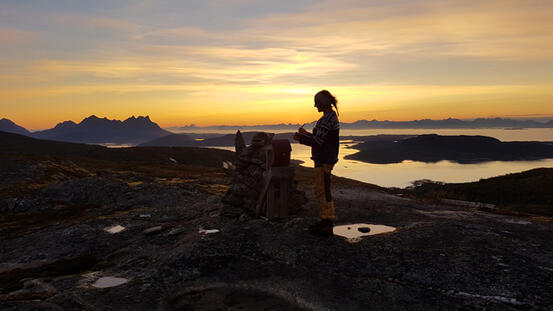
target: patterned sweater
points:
(324, 141)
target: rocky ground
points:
(55, 251)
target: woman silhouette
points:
(324, 152)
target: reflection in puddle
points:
(109, 281)
(114, 229)
(354, 232)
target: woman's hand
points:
(301, 130)
(296, 136)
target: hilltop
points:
(57, 199)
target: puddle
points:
(114, 229)
(354, 232)
(109, 281)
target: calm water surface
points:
(404, 173)
(352, 232)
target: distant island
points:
(461, 149)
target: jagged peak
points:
(7, 121)
(147, 118)
(91, 117)
(66, 123)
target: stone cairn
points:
(248, 177)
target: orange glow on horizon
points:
(392, 61)
(393, 103)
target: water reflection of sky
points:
(353, 233)
(402, 174)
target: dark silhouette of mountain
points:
(10, 127)
(183, 140)
(102, 130)
(142, 130)
(462, 149)
(450, 123)
(447, 123)
(260, 127)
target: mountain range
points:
(138, 130)
(96, 130)
(450, 123)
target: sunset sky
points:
(254, 62)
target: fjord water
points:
(404, 173)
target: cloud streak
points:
(17, 36)
(372, 53)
